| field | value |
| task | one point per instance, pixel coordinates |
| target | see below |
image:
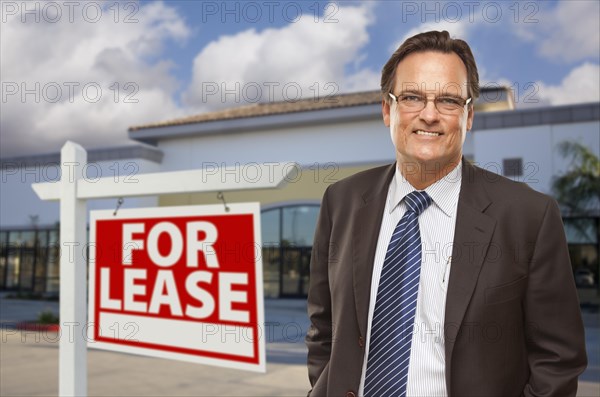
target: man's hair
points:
(431, 41)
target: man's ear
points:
(385, 111)
(470, 117)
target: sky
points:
(87, 70)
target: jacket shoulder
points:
(362, 181)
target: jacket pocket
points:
(505, 292)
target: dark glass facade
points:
(29, 259)
(287, 234)
(583, 235)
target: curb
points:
(31, 326)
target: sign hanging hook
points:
(221, 197)
(119, 203)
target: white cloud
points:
(284, 63)
(569, 32)
(363, 80)
(582, 84)
(102, 54)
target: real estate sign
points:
(179, 282)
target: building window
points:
(582, 236)
(53, 261)
(3, 258)
(287, 235)
(299, 225)
(512, 167)
(28, 263)
(270, 224)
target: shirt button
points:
(361, 342)
(350, 394)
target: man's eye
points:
(449, 101)
(411, 98)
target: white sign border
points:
(181, 211)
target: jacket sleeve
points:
(319, 336)
(554, 328)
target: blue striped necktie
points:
(394, 316)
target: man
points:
(430, 276)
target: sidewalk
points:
(29, 362)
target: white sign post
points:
(73, 190)
(72, 355)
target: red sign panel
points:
(179, 282)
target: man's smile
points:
(428, 133)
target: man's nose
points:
(429, 114)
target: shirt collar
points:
(444, 192)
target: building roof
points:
(273, 108)
(529, 117)
(136, 151)
(491, 98)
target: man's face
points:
(433, 74)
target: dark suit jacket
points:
(513, 324)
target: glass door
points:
(294, 272)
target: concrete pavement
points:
(29, 368)
(29, 361)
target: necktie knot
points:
(417, 201)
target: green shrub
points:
(47, 317)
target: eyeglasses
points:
(413, 102)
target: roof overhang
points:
(270, 122)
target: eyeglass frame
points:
(467, 102)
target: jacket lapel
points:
(472, 236)
(365, 233)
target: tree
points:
(578, 189)
(578, 192)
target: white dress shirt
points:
(427, 364)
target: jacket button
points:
(350, 394)
(361, 342)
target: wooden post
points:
(72, 356)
